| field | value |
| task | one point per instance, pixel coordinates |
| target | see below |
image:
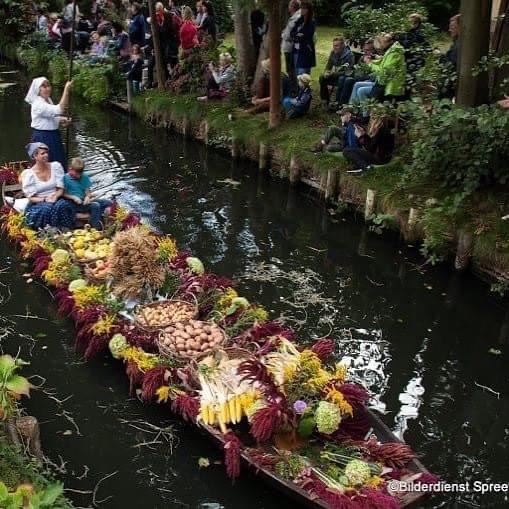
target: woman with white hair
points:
(46, 117)
(299, 106)
(43, 185)
(220, 79)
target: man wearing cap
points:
(344, 134)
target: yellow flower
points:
(310, 363)
(341, 372)
(289, 372)
(225, 301)
(166, 249)
(163, 393)
(374, 482)
(143, 360)
(120, 214)
(89, 295)
(317, 382)
(336, 397)
(103, 325)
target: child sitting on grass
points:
(77, 186)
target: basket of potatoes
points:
(190, 340)
(161, 314)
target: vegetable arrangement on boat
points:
(189, 341)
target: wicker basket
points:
(140, 322)
(91, 275)
(169, 352)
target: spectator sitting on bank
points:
(345, 134)
(77, 189)
(219, 79)
(103, 26)
(389, 73)
(188, 31)
(299, 106)
(42, 21)
(134, 68)
(54, 32)
(376, 144)
(339, 65)
(98, 47)
(361, 72)
(261, 98)
(121, 41)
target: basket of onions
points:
(190, 340)
(161, 314)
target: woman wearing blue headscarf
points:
(46, 117)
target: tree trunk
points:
(500, 45)
(245, 52)
(475, 40)
(11, 432)
(275, 64)
(161, 74)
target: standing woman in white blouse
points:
(46, 117)
(43, 185)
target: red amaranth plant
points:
(268, 420)
(65, 302)
(130, 221)
(355, 394)
(232, 448)
(323, 348)
(134, 374)
(180, 261)
(186, 406)
(369, 498)
(8, 176)
(136, 337)
(333, 498)
(153, 379)
(194, 284)
(392, 454)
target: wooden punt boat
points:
(302, 497)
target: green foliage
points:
(26, 497)
(364, 21)
(382, 222)
(95, 82)
(58, 68)
(463, 149)
(492, 63)
(223, 12)
(12, 385)
(16, 470)
(34, 53)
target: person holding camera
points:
(219, 79)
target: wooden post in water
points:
(331, 185)
(186, 127)
(235, 148)
(413, 218)
(28, 429)
(263, 156)
(129, 90)
(464, 250)
(370, 204)
(295, 173)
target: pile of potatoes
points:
(165, 313)
(192, 338)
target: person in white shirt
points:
(43, 185)
(46, 117)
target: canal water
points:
(430, 344)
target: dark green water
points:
(420, 337)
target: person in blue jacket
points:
(303, 37)
(137, 26)
(299, 106)
(345, 134)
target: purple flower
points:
(300, 406)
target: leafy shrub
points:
(58, 68)
(92, 82)
(463, 149)
(365, 21)
(33, 53)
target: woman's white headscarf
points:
(33, 91)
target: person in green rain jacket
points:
(389, 73)
(390, 70)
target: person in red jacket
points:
(188, 31)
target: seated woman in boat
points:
(219, 79)
(46, 117)
(77, 189)
(43, 185)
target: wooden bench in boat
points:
(15, 192)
